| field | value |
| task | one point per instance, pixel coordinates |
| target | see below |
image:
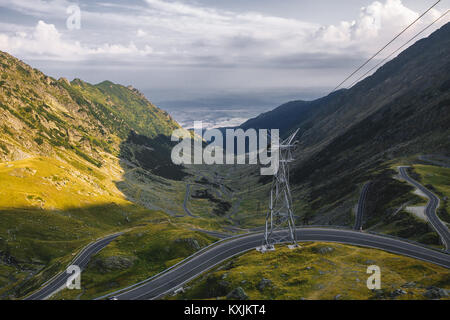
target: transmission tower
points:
(280, 225)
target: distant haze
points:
(228, 109)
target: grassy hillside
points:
(138, 255)
(79, 161)
(73, 158)
(82, 119)
(437, 179)
(50, 210)
(318, 271)
(130, 108)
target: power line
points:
(405, 44)
(385, 46)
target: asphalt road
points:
(175, 278)
(430, 209)
(186, 199)
(442, 162)
(81, 260)
(361, 206)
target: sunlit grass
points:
(309, 274)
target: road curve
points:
(430, 209)
(175, 278)
(427, 158)
(186, 198)
(361, 206)
(81, 260)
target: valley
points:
(80, 162)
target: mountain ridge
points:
(63, 171)
(438, 39)
(360, 134)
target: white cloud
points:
(376, 23)
(141, 33)
(46, 42)
(250, 36)
(167, 33)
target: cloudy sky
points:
(191, 49)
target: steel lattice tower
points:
(280, 225)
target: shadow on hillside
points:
(149, 176)
(152, 155)
(148, 170)
(35, 244)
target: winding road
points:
(361, 206)
(169, 281)
(430, 210)
(205, 259)
(81, 260)
(186, 199)
(441, 162)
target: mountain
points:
(359, 134)
(75, 161)
(80, 161)
(87, 119)
(420, 69)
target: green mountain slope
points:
(360, 134)
(63, 172)
(77, 116)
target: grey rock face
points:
(8, 260)
(379, 294)
(436, 293)
(193, 243)
(411, 284)
(397, 292)
(264, 283)
(323, 250)
(114, 263)
(237, 294)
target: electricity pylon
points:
(280, 225)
